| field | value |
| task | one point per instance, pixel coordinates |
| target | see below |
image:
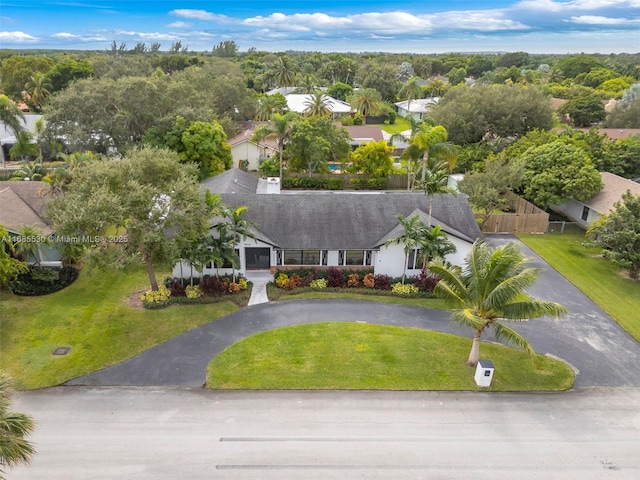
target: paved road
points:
(587, 338)
(153, 433)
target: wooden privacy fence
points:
(527, 218)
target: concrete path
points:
(259, 278)
(587, 338)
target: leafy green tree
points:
(478, 64)
(18, 69)
(614, 88)
(148, 197)
(432, 141)
(380, 77)
(226, 49)
(622, 157)
(280, 130)
(313, 142)
(28, 251)
(66, 71)
(584, 111)
(487, 189)
(492, 287)
(13, 119)
(625, 115)
(340, 91)
(366, 101)
(435, 245)
(14, 428)
(10, 267)
(373, 158)
(456, 76)
(574, 65)
(513, 59)
(618, 233)
(492, 111)
(556, 172)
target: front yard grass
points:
(375, 357)
(94, 318)
(601, 280)
(400, 125)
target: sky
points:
(534, 26)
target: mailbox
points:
(484, 373)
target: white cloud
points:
(199, 15)
(179, 25)
(65, 35)
(587, 5)
(598, 20)
(17, 37)
(82, 38)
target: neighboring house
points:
(22, 204)
(299, 102)
(418, 109)
(615, 133)
(346, 230)
(585, 213)
(243, 148)
(360, 134)
(7, 138)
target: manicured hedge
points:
(43, 280)
(312, 183)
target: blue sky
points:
(535, 26)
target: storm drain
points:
(60, 350)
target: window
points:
(354, 257)
(585, 213)
(302, 257)
(414, 261)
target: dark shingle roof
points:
(22, 203)
(334, 221)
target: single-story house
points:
(360, 134)
(346, 230)
(244, 148)
(299, 102)
(22, 204)
(7, 136)
(585, 213)
(418, 108)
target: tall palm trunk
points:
(474, 355)
(425, 158)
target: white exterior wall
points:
(250, 151)
(572, 209)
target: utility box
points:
(273, 185)
(484, 373)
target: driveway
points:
(587, 338)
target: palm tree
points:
(434, 180)
(238, 228)
(267, 106)
(285, 73)
(279, 130)
(432, 140)
(317, 105)
(411, 90)
(435, 244)
(38, 88)
(490, 288)
(223, 249)
(414, 232)
(23, 147)
(307, 83)
(14, 427)
(13, 119)
(367, 101)
(28, 250)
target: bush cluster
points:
(336, 278)
(368, 183)
(312, 183)
(43, 280)
(203, 290)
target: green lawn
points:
(601, 280)
(92, 316)
(400, 125)
(376, 357)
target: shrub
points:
(234, 287)
(243, 284)
(193, 292)
(336, 278)
(354, 281)
(312, 183)
(378, 183)
(177, 289)
(282, 279)
(319, 283)
(42, 280)
(425, 282)
(382, 282)
(156, 297)
(293, 282)
(368, 280)
(404, 290)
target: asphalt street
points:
(168, 433)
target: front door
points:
(258, 258)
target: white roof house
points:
(299, 102)
(418, 108)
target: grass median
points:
(357, 356)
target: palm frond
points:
(505, 334)
(510, 287)
(527, 309)
(467, 318)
